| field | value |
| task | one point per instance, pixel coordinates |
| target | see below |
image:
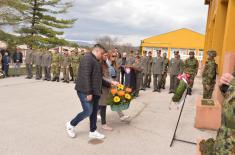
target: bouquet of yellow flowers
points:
(120, 98)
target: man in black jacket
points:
(88, 86)
(17, 60)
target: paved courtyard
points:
(33, 116)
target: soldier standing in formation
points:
(66, 61)
(191, 68)
(157, 70)
(209, 75)
(129, 72)
(29, 64)
(148, 70)
(75, 60)
(176, 68)
(38, 63)
(46, 64)
(165, 70)
(144, 72)
(138, 67)
(119, 66)
(55, 65)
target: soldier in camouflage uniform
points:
(148, 70)
(164, 75)
(29, 64)
(130, 74)
(46, 64)
(75, 60)
(55, 66)
(224, 144)
(138, 67)
(191, 68)
(144, 72)
(176, 68)
(225, 140)
(66, 61)
(209, 75)
(38, 62)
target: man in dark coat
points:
(89, 88)
(17, 60)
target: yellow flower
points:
(116, 99)
(128, 96)
(120, 86)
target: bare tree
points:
(108, 42)
(126, 47)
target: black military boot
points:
(189, 91)
(58, 79)
(54, 79)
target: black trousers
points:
(103, 114)
(122, 76)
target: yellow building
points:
(220, 33)
(182, 40)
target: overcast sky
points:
(134, 20)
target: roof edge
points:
(175, 31)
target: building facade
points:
(220, 33)
(182, 40)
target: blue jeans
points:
(89, 110)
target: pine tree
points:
(12, 11)
(38, 21)
(42, 25)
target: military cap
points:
(211, 53)
(191, 52)
(176, 52)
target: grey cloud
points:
(134, 19)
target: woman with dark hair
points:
(105, 93)
(113, 67)
(119, 65)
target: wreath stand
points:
(174, 136)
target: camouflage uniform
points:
(209, 77)
(164, 75)
(147, 71)
(66, 61)
(176, 68)
(29, 63)
(224, 144)
(138, 67)
(75, 60)
(225, 140)
(191, 68)
(37, 59)
(46, 64)
(55, 66)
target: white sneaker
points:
(98, 118)
(96, 135)
(70, 130)
(125, 117)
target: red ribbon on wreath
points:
(184, 76)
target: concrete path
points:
(33, 116)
